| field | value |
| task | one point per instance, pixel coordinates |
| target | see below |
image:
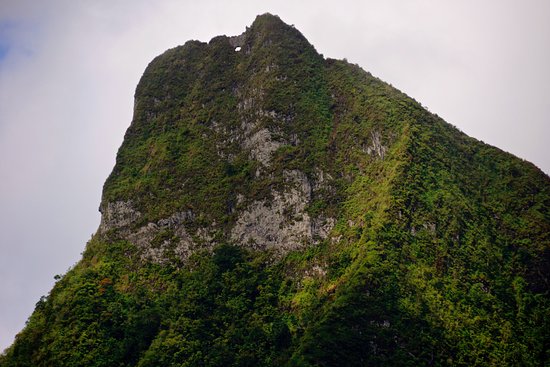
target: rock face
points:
(282, 223)
(270, 207)
(120, 217)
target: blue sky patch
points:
(4, 49)
(7, 28)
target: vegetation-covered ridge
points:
(270, 207)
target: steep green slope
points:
(271, 207)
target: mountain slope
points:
(272, 207)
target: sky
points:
(68, 70)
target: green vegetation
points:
(439, 254)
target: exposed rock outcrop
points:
(283, 222)
(156, 242)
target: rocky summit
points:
(270, 207)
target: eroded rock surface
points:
(283, 222)
(157, 242)
(280, 223)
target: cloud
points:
(68, 70)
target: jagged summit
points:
(266, 27)
(269, 207)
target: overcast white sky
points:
(68, 70)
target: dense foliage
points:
(439, 254)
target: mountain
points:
(270, 207)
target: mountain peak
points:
(269, 23)
(268, 18)
(268, 30)
(269, 207)
(248, 100)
